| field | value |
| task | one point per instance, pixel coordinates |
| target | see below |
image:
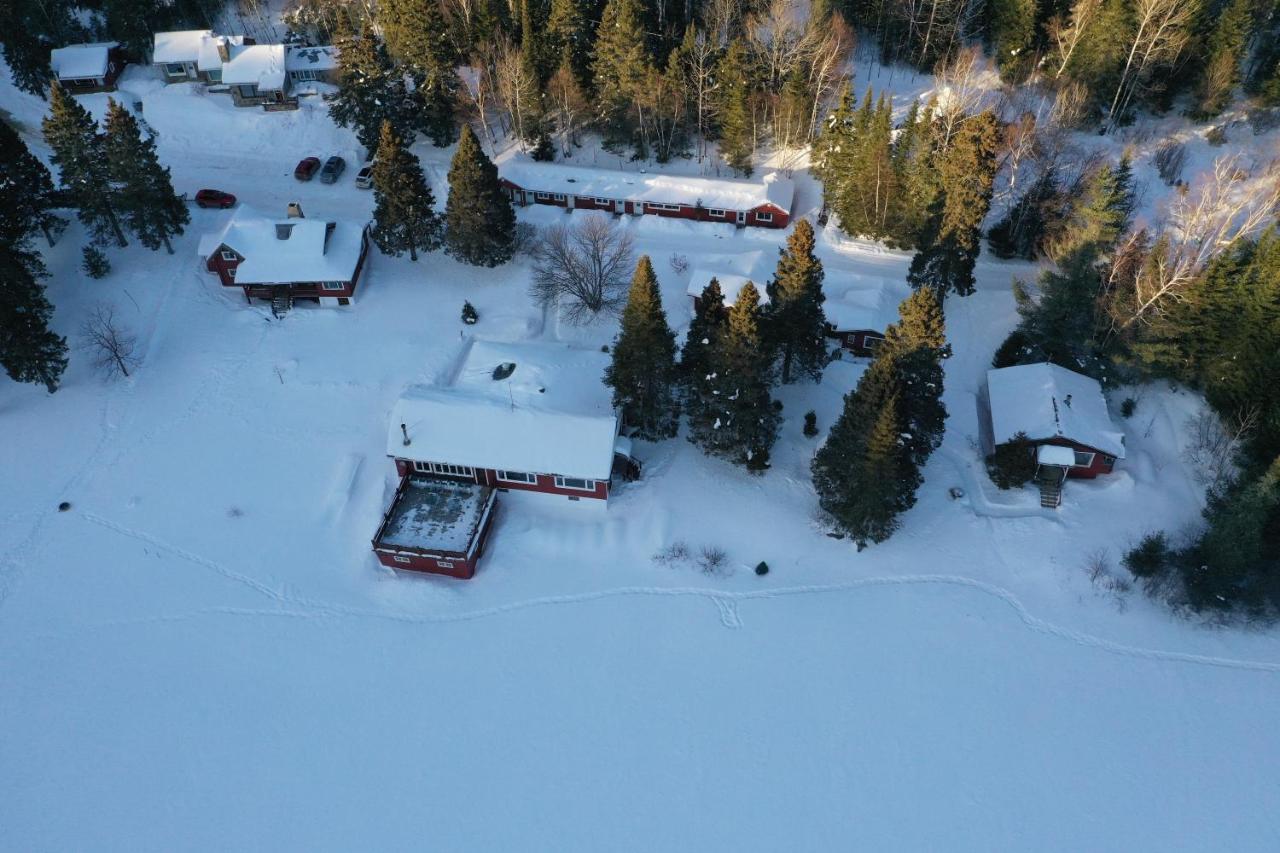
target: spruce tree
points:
(26, 191)
(479, 220)
(1012, 35)
(569, 37)
(132, 23)
(144, 192)
(701, 339)
(735, 90)
(862, 474)
(621, 66)
(952, 239)
(404, 213)
(29, 350)
(916, 176)
(1226, 50)
(796, 325)
(78, 153)
(914, 349)
(1024, 229)
(370, 91)
(417, 36)
(733, 415)
(643, 371)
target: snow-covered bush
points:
(1149, 557)
(712, 559)
(469, 314)
(95, 263)
(679, 263)
(810, 423)
(1013, 463)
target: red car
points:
(215, 198)
(307, 168)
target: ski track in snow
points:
(726, 603)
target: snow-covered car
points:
(215, 198)
(333, 169)
(364, 178)
(307, 168)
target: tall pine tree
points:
(26, 191)
(702, 337)
(404, 213)
(735, 91)
(913, 351)
(643, 372)
(417, 36)
(796, 325)
(621, 66)
(370, 91)
(1226, 51)
(479, 220)
(29, 350)
(732, 414)
(144, 192)
(953, 237)
(82, 167)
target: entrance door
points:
(742, 217)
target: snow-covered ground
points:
(202, 653)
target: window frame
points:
(400, 559)
(1085, 453)
(444, 468)
(764, 216)
(506, 477)
(228, 255)
(333, 285)
(175, 69)
(716, 212)
(563, 483)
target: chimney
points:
(283, 230)
(224, 49)
(405, 433)
(295, 210)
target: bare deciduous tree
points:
(1066, 31)
(1212, 445)
(584, 267)
(961, 93)
(111, 347)
(1162, 30)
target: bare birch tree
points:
(111, 347)
(1162, 29)
(585, 268)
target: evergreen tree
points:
(416, 35)
(866, 187)
(1012, 35)
(132, 23)
(1226, 49)
(1024, 229)
(1234, 564)
(733, 415)
(569, 37)
(916, 176)
(26, 191)
(479, 220)
(78, 153)
(796, 325)
(952, 238)
(144, 192)
(29, 350)
(862, 474)
(914, 349)
(370, 91)
(735, 90)
(621, 66)
(643, 372)
(701, 339)
(94, 262)
(404, 214)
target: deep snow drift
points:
(202, 653)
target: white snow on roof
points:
(718, 193)
(869, 303)
(732, 272)
(310, 58)
(261, 65)
(284, 251)
(552, 415)
(81, 61)
(209, 58)
(178, 46)
(1047, 401)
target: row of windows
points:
(577, 483)
(551, 196)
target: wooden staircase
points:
(1050, 479)
(281, 303)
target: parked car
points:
(307, 168)
(364, 178)
(333, 169)
(215, 198)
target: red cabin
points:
(765, 203)
(858, 316)
(1063, 414)
(284, 260)
(85, 68)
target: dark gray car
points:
(333, 169)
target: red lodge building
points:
(765, 203)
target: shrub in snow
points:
(526, 238)
(95, 263)
(712, 559)
(469, 315)
(762, 568)
(1128, 407)
(1150, 557)
(679, 263)
(1216, 135)
(811, 423)
(1013, 463)
(676, 552)
(109, 345)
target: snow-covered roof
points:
(310, 58)
(81, 61)
(733, 271)
(261, 65)
(720, 193)
(284, 251)
(1046, 401)
(870, 303)
(551, 415)
(209, 58)
(178, 46)
(730, 284)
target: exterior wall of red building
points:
(1102, 462)
(765, 216)
(546, 483)
(860, 341)
(449, 563)
(224, 268)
